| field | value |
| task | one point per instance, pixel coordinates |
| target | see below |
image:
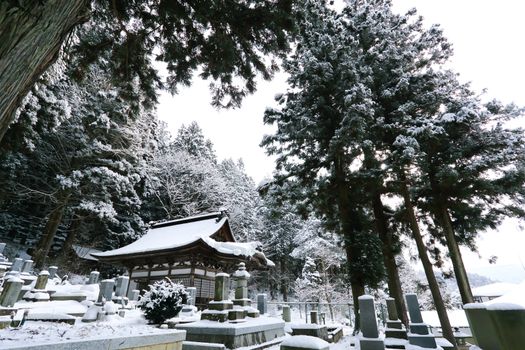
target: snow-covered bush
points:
(163, 301)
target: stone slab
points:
(394, 324)
(423, 340)
(193, 345)
(313, 330)
(304, 342)
(234, 335)
(418, 328)
(115, 343)
(371, 344)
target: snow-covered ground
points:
(37, 332)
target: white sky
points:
(488, 39)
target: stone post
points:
(367, 315)
(391, 309)
(394, 326)
(222, 286)
(93, 277)
(41, 281)
(106, 290)
(413, 308)
(2, 247)
(12, 288)
(286, 313)
(122, 286)
(262, 303)
(419, 334)
(52, 271)
(135, 294)
(192, 295)
(17, 265)
(28, 266)
(313, 317)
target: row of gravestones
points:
(418, 335)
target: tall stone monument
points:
(370, 339)
(419, 334)
(394, 326)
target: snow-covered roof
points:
(493, 289)
(85, 252)
(173, 234)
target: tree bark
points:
(427, 265)
(455, 257)
(389, 258)
(443, 218)
(283, 280)
(31, 35)
(346, 216)
(71, 234)
(45, 242)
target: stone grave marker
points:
(262, 303)
(52, 271)
(192, 295)
(219, 307)
(313, 317)
(106, 291)
(93, 277)
(286, 313)
(17, 265)
(370, 339)
(121, 286)
(28, 266)
(419, 334)
(135, 294)
(12, 288)
(394, 326)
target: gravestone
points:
(93, 277)
(419, 334)
(106, 291)
(313, 317)
(17, 265)
(262, 303)
(12, 288)
(192, 295)
(135, 294)
(42, 279)
(52, 271)
(2, 247)
(28, 266)
(394, 326)
(241, 286)
(222, 286)
(369, 340)
(286, 313)
(121, 286)
(219, 307)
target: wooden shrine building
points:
(190, 251)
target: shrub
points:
(163, 301)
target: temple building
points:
(190, 251)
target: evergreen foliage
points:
(163, 301)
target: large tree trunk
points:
(348, 228)
(455, 256)
(284, 280)
(427, 265)
(45, 242)
(389, 258)
(443, 218)
(31, 34)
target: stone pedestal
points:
(419, 334)
(11, 291)
(304, 342)
(42, 279)
(39, 292)
(369, 340)
(287, 317)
